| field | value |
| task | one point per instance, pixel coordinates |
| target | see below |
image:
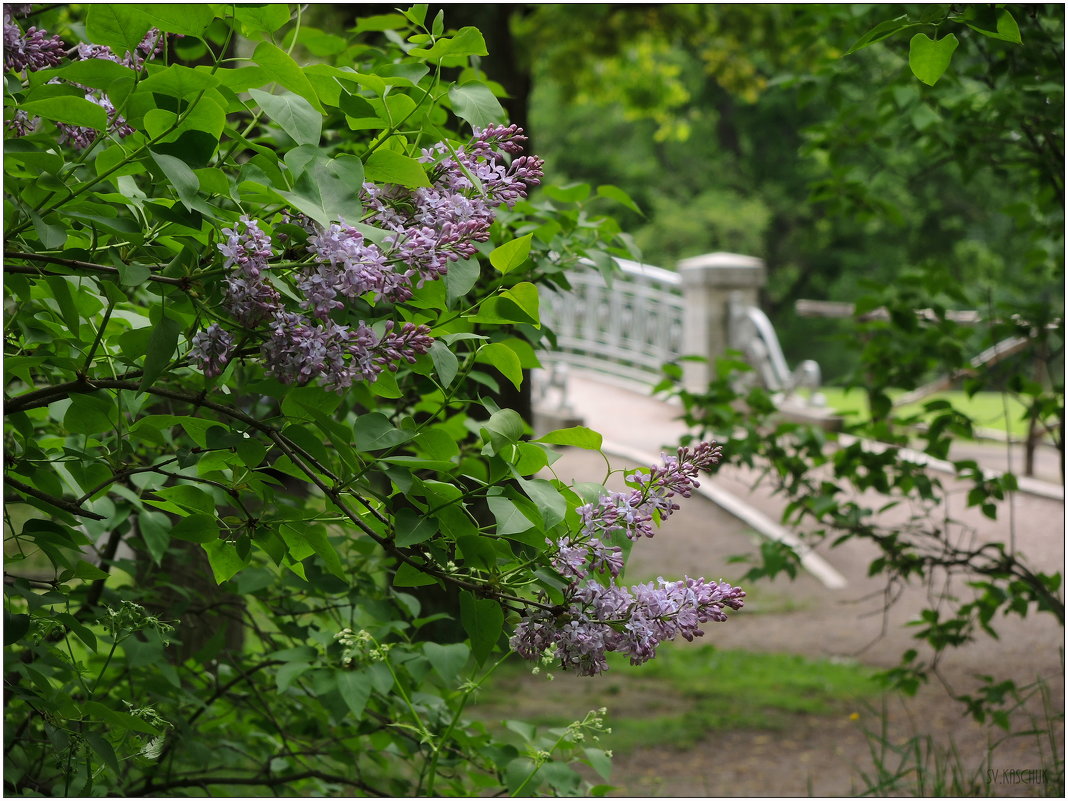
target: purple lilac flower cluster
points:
(429, 227)
(33, 49)
(213, 348)
(600, 617)
(298, 349)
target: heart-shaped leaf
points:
(929, 58)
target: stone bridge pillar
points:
(708, 283)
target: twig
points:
(74, 264)
(59, 503)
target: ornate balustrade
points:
(629, 324)
(626, 326)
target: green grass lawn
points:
(987, 409)
(684, 695)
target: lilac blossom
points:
(213, 348)
(80, 137)
(634, 621)
(300, 350)
(250, 296)
(33, 49)
(350, 266)
(429, 227)
(601, 616)
(22, 124)
(147, 48)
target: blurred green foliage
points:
(749, 128)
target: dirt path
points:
(822, 756)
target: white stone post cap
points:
(723, 269)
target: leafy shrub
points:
(266, 524)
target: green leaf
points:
(355, 689)
(525, 296)
(572, 193)
(483, 620)
(52, 237)
(1006, 28)
(929, 58)
(510, 518)
(445, 362)
(511, 254)
(84, 570)
(190, 497)
(65, 300)
(576, 437)
(381, 22)
(302, 401)
(120, 27)
(447, 660)
(133, 274)
(504, 359)
(293, 113)
(619, 196)
(188, 19)
(505, 424)
(90, 414)
(155, 528)
(97, 73)
(196, 528)
(265, 18)
(477, 551)
(475, 103)
(286, 72)
(327, 190)
(551, 504)
(182, 178)
(224, 559)
(288, 673)
(409, 576)
(70, 110)
(161, 347)
(467, 41)
(412, 528)
(389, 167)
(102, 748)
(461, 276)
(374, 432)
(15, 627)
(178, 81)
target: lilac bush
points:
(601, 616)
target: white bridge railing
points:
(629, 324)
(626, 326)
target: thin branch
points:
(124, 474)
(59, 503)
(74, 264)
